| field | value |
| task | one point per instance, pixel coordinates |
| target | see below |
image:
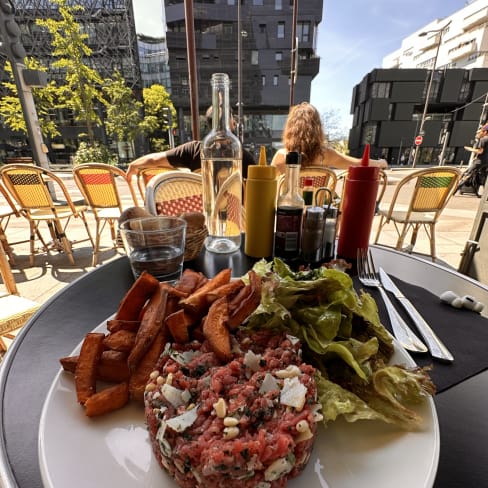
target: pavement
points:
(52, 272)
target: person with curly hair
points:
(304, 133)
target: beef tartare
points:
(248, 423)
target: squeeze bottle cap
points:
(364, 171)
(293, 157)
(261, 171)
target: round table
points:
(31, 365)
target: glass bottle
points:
(312, 235)
(289, 212)
(221, 156)
(308, 190)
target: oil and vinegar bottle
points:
(289, 212)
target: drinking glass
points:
(155, 245)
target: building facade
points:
(113, 41)
(388, 104)
(266, 40)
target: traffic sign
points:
(418, 140)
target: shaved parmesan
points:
(174, 395)
(183, 421)
(269, 384)
(251, 360)
(293, 393)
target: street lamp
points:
(427, 96)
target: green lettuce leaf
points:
(342, 336)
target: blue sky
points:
(353, 39)
(355, 36)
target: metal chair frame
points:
(97, 183)
(32, 188)
(433, 187)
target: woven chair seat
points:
(15, 311)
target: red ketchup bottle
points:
(358, 208)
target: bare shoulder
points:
(279, 159)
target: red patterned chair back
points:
(174, 192)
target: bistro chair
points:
(426, 193)
(144, 175)
(321, 177)
(34, 188)
(174, 192)
(98, 183)
(7, 211)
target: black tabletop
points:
(32, 363)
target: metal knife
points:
(437, 348)
(403, 333)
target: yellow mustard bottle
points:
(260, 208)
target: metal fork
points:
(368, 277)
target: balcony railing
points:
(475, 19)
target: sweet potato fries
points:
(150, 315)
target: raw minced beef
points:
(248, 423)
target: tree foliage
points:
(82, 89)
(44, 98)
(123, 119)
(156, 123)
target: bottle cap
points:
(261, 171)
(364, 171)
(293, 157)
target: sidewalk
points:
(51, 273)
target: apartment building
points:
(263, 90)
(388, 104)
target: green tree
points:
(336, 134)
(44, 98)
(82, 89)
(157, 122)
(123, 118)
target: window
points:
(380, 90)
(275, 80)
(262, 28)
(231, 2)
(278, 4)
(369, 134)
(263, 80)
(303, 31)
(254, 57)
(278, 56)
(257, 2)
(280, 33)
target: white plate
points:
(114, 450)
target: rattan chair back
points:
(322, 177)
(144, 175)
(174, 193)
(97, 182)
